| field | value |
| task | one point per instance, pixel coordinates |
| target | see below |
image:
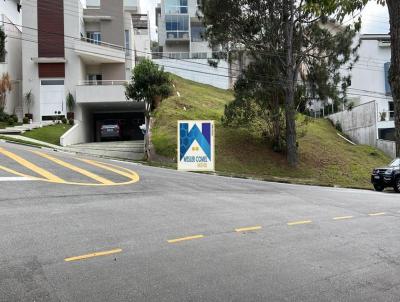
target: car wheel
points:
(379, 188)
(397, 184)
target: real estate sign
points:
(196, 146)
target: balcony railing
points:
(104, 44)
(182, 55)
(103, 83)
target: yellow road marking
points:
(377, 214)
(98, 254)
(111, 168)
(185, 239)
(16, 173)
(46, 174)
(343, 217)
(75, 168)
(299, 222)
(247, 229)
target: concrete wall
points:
(198, 71)
(359, 124)
(388, 147)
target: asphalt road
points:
(100, 230)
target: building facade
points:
(86, 49)
(371, 120)
(10, 22)
(182, 47)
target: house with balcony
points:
(10, 23)
(183, 49)
(88, 50)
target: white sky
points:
(375, 17)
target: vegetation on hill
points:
(325, 158)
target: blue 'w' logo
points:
(203, 138)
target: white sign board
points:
(196, 149)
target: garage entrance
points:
(123, 126)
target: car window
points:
(395, 163)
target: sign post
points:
(196, 147)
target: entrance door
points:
(52, 97)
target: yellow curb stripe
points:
(247, 229)
(377, 214)
(75, 168)
(97, 254)
(343, 217)
(46, 174)
(114, 169)
(16, 173)
(299, 222)
(185, 239)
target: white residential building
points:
(88, 51)
(184, 50)
(10, 21)
(372, 119)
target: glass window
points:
(52, 82)
(177, 27)
(197, 33)
(127, 42)
(175, 7)
(94, 37)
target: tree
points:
(149, 84)
(394, 73)
(28, 101)
(5, 88)
(3, 51)
(298, 35)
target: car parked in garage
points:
(386, 177)
(110, 129)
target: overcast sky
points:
(375, 17)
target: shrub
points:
(4, 116)
(15, 118)
(25, 120)
(11, 121)
(64, 120)
(71, 122)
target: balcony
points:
(91, 92)
(131, 5)
(174, 37)
(96, 52)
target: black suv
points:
(385, 177)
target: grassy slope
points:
(48, 134)
(324, 157)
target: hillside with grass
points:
(325, 158)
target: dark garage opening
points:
(129, 123)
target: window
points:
(391, 111)
(127, 42)
(52, 82)
(177, 27)
(95, 79)
(93, 3)
(94, 37)
(197, 33)
(174, 7)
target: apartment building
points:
(10, 21)
(86, 48)
(183, 50)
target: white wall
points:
(9, 8)
(198, 71)
(359, 124)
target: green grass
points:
(49, 134)
(3, 125)
(325, 158)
